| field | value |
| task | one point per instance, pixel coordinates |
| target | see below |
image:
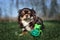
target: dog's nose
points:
(26, 15)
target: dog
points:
(27, 18)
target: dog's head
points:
(26, 13)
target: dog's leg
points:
(24, 31)
(28, 28)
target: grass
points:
(10, 31)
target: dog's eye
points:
(31, 15)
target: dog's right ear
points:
(20, 11)
(19, 14)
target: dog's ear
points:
(33, 11)
(19, 14)
(19, 11)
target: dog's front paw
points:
(21, 34)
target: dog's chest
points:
(25, 23)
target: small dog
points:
(27, 18)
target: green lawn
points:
(10, 31)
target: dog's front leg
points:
(28, 28)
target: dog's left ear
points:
(33, 11)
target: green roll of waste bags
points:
(36, 31)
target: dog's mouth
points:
(28, 19)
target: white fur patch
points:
(28, 28)
(25, 23)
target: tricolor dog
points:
(27, 18)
